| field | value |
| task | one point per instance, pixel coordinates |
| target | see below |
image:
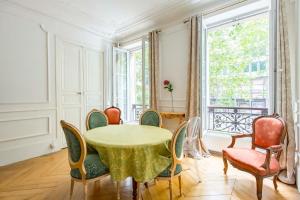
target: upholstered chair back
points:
(113, 114)
(75, 142)
(95, 119)
(151, 118)
(178, 140)
(268, 131)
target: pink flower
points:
(166, 82)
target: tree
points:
(231, 51)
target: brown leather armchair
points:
(114, 115)
(268, 134)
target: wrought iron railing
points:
(233, 119)
(137, 111)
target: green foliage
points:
(231, 49)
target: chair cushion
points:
(150, 118)
(113, 115)
(167, 172)
(267, 132)
(250, 160)
(93, 166)
(97, 119)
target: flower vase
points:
(172, 102)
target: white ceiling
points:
(114, 18)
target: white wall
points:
(173, 65)
(28, 108)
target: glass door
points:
(120, 84)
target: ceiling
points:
(115, 18)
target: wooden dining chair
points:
(176, 149)
(151, 118)
(114, 115)
(268, 134)
(85, 167)
(96, 118)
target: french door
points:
(80, 83)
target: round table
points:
(136, 151)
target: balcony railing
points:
(233, 119)
(137, 111)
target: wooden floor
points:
(47, 177)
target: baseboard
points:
(24, 152)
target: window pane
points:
(147, 75)
(121, 73)
(231, 48)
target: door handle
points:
(79, 93)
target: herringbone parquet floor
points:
(47, 177)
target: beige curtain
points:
(193, 74)
(284, 97)
(154, 67)
(193, 100)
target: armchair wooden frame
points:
(89, 115)
(270, 151)
(121, 121)
(151, 110)
(80, 163)
(175, 160)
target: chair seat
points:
(93, 166)
(250, 160)
(167, 172)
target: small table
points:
(173, 115)
(136, 151)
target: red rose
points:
(166, 82)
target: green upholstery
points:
(97, 119)
(167, 172)
(150, 118)
(93, 166)
(73, 145)
(178, 152)
(180, 142)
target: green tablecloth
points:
(131, 150)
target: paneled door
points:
(93, 76)
(80, 83)
(71, 98)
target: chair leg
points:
(171, 190)
(138, 191)
(118, 190)
(259, 185)
(179, 181)
(72, 187)
(85, 190)
(275, 182)
(146, 185)
(225, 164)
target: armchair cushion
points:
(113, 115)
(268, 132)
(93, 166)
(250, 160)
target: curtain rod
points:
(230, 4)
(139, 37)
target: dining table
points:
(137, 151)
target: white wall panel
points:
(173, 66)
(29, 121)
(23, 61)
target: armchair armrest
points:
(234, 137)
(270, 151)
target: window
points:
(237, 42)
(131, 79)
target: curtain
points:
(193, 71)
(154, 67)
(283, 95)
(193, 100)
